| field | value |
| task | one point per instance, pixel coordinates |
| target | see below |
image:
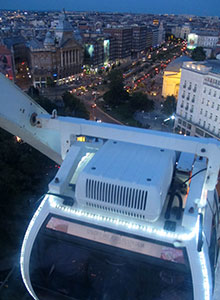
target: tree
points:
(198, 54)
(74, 107)
(140, 101)
(44, 102)
(50, 82)
(116, 94)
(169, 106)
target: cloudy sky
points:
(197, 7)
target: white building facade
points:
(198, 106)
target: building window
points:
(199, 131)
(182, 104)
(183, 95)
(210, 92)
(184, 123)
(208, 126)
(190, 117)
(188, 96)
(216, 118)
(189, 126)
(204, 91)
(201, 111)
(184, 84)
(190, 86)
(210, 117)
(208, 103)
(193, 99)
(195, 88)
(214, 94)
(204, 123)
(213, 103)
(179, 121)
(213, 129)
(186, 115)
(206, 113)
(203, 100)
(219, 132)
(218, 106)
(199, 121)
(192, 109)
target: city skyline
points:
(201, 8)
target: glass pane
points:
(74, 261)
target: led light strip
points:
(24, 245)
(130, 225)
(134, 226)
(206, 284)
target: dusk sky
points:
(197, 7)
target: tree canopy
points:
(116, 94)
(198, 54)
(169, 106)
(140, 101)
(74, 107)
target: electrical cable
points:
(194, 175)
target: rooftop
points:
(176, 64)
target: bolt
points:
(191, 210)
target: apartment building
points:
(198, 106)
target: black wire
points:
(194, 175)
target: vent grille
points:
(116, 195)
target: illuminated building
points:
(98, 49)
(171, 77)
(207, 40)
(198, 106)
(58, 58)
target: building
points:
(158, 35)
(185, 31)
(171, 77)
(18, 50)
(207, 40)
(6, 62)
(123, 41)
(149, 40)
(139, 39)
(198, 106)
(161, 34)
(181, 31)
(99, 49)
(58, 58)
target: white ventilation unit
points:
(127, 179)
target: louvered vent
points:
(116, 198)
(115, 194)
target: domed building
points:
(49, 40)
(58, 58)
(171, 77)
